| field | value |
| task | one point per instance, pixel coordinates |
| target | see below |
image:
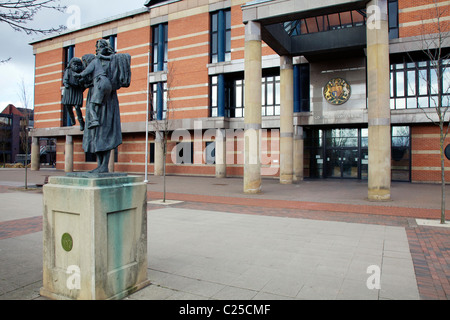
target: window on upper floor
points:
(234, 95)
(112, 39)
(159, 47)
(416, 84)
(270, 99)
(220, 36)
(393, 19)
(69, 53)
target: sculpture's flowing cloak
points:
(108, 135)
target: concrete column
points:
(221, 151)
(159, 154)
(111, 161)
(379, 114)
(35, 155)
(253, 76)
(286, 120)
(68, 155)
(298, 154)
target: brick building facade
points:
(193, 64)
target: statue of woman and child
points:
(103, 73)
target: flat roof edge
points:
(92, 24)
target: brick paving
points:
(429, 246)
(430, 251)
(21, 227)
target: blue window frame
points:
(393, 19)
(221, 36)
(159, 100)
(301, 88)
(159, 47)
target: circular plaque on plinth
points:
(67, 242)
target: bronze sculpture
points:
(73, 91)
(104, 74)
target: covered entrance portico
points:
(320, 31)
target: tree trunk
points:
(442, 137)
(164, 167)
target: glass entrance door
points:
(342, 153)
(349, 166)
(342, 163)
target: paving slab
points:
(312, 272)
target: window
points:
(221, 36)
(333, 21)
(151, 158)
(401, 151)
(69, 53)
(112, 39)
(345, 153)
(91, 157)
(185, 154)
(270, 96)
(301, 88)
(393, 19)
(159, 100)
(214, 96)
(159, 47)
(210, 152)
(238, 110)
(415, 84)
(234, 95)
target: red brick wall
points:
(415, 17)
(426, 161)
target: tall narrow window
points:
(301, 88)
(159, 47)
(214, 96)
(393, 19)
(159, 100)
(239, 99)
(270, 96)
(221, 36)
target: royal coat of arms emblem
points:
(337, 91)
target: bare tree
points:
(19, 13)
(163, 127)
(438, 83)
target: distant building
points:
(13, 123)
(326, 90)
(10, 145)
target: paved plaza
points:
(315, 240)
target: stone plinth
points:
(95, 237)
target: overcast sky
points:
(15, 44)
